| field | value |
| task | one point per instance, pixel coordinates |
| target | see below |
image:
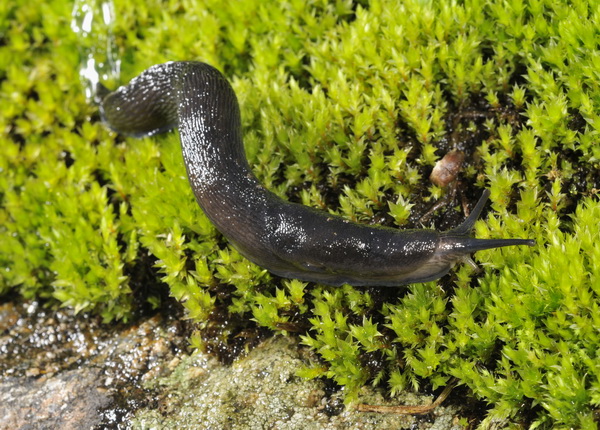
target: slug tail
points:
(145, 106)
(101, 92)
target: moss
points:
(346, 106)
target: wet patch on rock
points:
(61, 370)
(69, 400)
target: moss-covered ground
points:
(346, 106)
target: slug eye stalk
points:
(457, 244)
(460, 234)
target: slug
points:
(288, 239)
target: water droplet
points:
(93, 21)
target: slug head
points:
(457, 244)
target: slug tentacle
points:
(467, 225)
(460, 236)
(288, 239)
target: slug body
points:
(288, 239)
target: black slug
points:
(288, 239)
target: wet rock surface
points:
(262, 391)
(60, 370)
(68, 400)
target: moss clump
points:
(347, 106)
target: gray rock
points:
(262, 391)
(68, 400)
(64, 371)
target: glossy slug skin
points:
(290, 240)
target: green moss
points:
(346, 107)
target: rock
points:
(65, 371)
(69, 400)
(262, 391)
